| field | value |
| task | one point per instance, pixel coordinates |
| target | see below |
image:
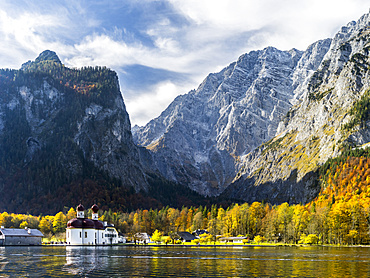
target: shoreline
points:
(194, 245)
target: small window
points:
(80, 234)
(85, 234)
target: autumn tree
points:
(71, 214)
(59, 223)
(197, 221)
(23, 225)
(157, 236)
(5, 220)
(46, 225)
(256, 215)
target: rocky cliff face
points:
(199, 139)
(319, 127)
(65, 136)
(57, 125)
(266, 122)
(104, 136)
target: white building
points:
(110, 235)
(142, 238)
(84, 231)
(233, 239)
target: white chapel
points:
(84, 231)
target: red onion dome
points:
(80, 208)
(84, 223)
(95, 208)
(98, 225)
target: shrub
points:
(258, 239)
(311, 239)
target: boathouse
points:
(25, 236)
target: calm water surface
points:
(144, 261)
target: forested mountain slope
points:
(65, 136)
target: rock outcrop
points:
(61, 125)
(199, 139)
(264, 123)
(284, 169)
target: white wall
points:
(76, 236)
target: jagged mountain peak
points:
(319, 127)
(231, 113)
(203, 136)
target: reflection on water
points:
(84, 260)
(145, 261)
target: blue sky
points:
(163, 48)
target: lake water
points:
(145, 261)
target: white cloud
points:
(213, 35)
(201, 46)
(168, 54)
(27, 32)
(144, 106)
(283, 24)
(21, 36)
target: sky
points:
(163, 48)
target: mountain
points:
(200, 138)
(260, 128)
(65, 136)
(332, 117)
